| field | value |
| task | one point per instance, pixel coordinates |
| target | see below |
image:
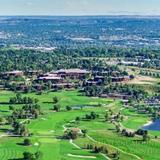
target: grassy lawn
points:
(134, 120)
(106, 134)
(49, 127)
(70, 98)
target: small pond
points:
(153, 126)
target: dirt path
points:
(64, 128)
(71, 142)
(105, 156)
(79, 156)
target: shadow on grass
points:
(16, 159)
(3, 111)
(2, 103)
(111, 129)
(60, 137)
(139, 141)
(4, 130)
(7, 103)
(20, 144)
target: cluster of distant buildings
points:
(63, 78)
(137, 61)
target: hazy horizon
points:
(79, 8)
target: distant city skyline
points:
(79, 7)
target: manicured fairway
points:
(105, 133)
(49, 127)
(134, 120)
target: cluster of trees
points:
(144, 134)
(36, 60)
(113, 117)
(67, 58)
(91, 116)
(20, 129)
(18, 99)
(32, 60)
(74, 133)
(56, 106)
(131, 91)
(128, 133)
(102, 149)
(71, 134)
(32, 156)
(27, 142)
(145, 53)
(68, 108)
(151, 74)
(125, 132)
(55, 100)
(27, 111)
(97, 149)
(30, 110)
(94, 90)
(153, 63)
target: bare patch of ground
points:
(142, 80)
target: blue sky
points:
(79, 7)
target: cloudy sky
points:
(79, 7)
